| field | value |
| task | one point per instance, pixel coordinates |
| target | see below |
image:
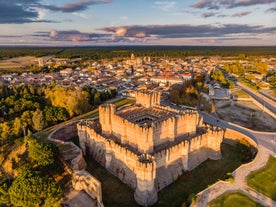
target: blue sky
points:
(137, 22)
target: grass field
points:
(264, 180)
(234, 199)
(240, 94)
(115, 193)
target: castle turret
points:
(148, 99)
(215, 138)
(145, 193)
(106, 112)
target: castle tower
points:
(148, 99)
(106, 112)
(132, 57)
(215, 138)
(145, 193)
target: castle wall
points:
(188, 154)
(122, 162)
(147, 177)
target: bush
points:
(246, 151)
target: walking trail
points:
(239, 183)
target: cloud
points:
(123, 17)
(216, 4)
(10, 36)
(272, 9)
(165, 5)
(209, 4)
(186, 31)
(73, 35)
(14, 12)
(241, 14)
(208, 14)
(77, 6)
(28, 11)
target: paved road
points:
(266, 139)
(270, 104)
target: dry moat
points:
(246, 114)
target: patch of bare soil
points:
(245, 114)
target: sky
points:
(138, 22)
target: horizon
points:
(105, 23)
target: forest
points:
(98, 53)
(28, 108)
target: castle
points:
(148, 146)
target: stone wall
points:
(82, 180)
(131, 168)
(232, 137)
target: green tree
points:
(43, 154)
(97, 98)
(272, 81)
(32, 189)
(4, 194)
(38, 120)
(55, 114)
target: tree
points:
(44, 154)
(75, 101)
(32, 189)
(4, 194)
(55, 114)
(97, 98)
(38, 120)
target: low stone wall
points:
(232, 137)
(66, 132)
(81, 179)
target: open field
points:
(246, 114)
(233, 200)
(116, 194)
(264, 180)
(17, 63)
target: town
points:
(138, 73)
(147, 111)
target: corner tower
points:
(148, 99)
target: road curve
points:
(268, 103)
(265, 139)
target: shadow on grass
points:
(116, 193)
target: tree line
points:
(98, 53)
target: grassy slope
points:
(264, 180)
(234, 200)
(240, 94)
